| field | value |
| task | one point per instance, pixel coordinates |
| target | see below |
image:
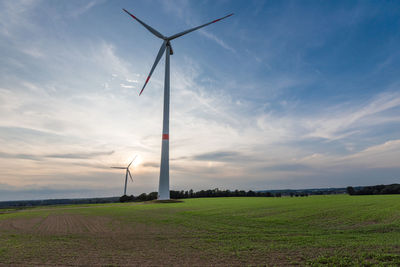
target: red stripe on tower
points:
(165, 137)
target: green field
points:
(317, 230)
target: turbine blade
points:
(196, 28)
(119, 168)
(159, 55)
(132, 161)
(153, 31)
(130, 175)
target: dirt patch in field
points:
(19, 224)
(73, 224)
(74, 239)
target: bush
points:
(126, 198)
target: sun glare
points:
(137, 161)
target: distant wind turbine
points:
(163, 188)
(126, 173)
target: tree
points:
(142, 197)
(152, 196)
(350, 190)
(126, 198)
(251, 194)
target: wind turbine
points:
(126, 173)
(163, 188)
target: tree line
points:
(374, 190)
(202, 193)
(67, 201)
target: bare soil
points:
(73, 239)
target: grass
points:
(318, 230)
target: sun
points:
(137, 161)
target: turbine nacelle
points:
(171, 52)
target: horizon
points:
(280, 95)
(233, 190)
(100, 197)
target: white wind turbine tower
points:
(126, 173)
(163, 188)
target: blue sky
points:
(284, 94)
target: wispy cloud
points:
(19, 156)
(80, 10)
(379, 156)
(181, 10)
(178, 8)
(127, 86)
(341, 122)
(218, 40)
(217, 156)
(15, 15)
(82, 155)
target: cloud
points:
(217, 156)
(341, 122)
(288, 167)
(379, 156)
(181, 9)
(33, 52)
(82, 155)
(19, 156)
(178, 8)
(219, 41)
(80, 10)
(34, 192)
(127, 86)
(15, 16)
(151, 164)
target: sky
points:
(284, 94)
